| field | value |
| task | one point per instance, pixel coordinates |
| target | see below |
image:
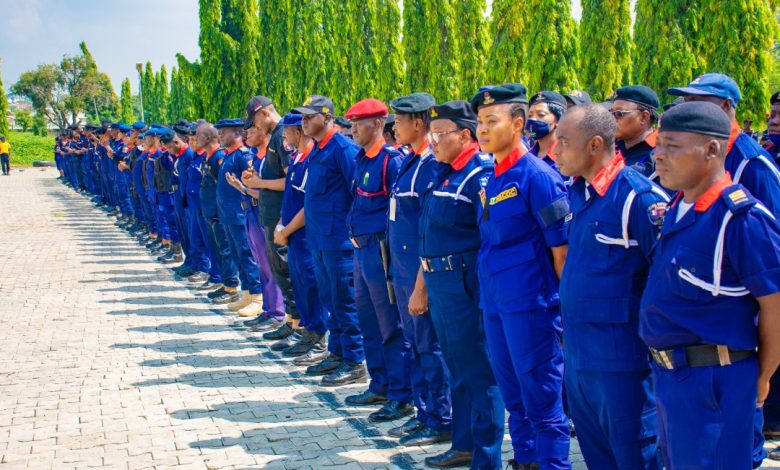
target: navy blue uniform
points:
(640, 156)
(218, 237)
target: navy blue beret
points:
(139, 126)
(292, 119)
(125, 128)
(235, 122)
(167, 136)
(459, 112)
(414, 103)
(775, 98)
(501, 94)
(114, 125)
(578, 97)
(639, 94)
(555, 101)
(697, 117)
(343, 122)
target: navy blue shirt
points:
(640, 156)
(229, 199)
(208, 184)
(295, 188)
(375, 174)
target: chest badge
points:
(482, 196)
(365, 179)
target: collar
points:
(510, 160)
(374, 150)
(652, 138)
(183, 149)
(210, 152)
(327, 137)
(535, 150)
(464, 157)
(607, 175)
(152, 150)
(307, 150)
(419, 151)
(706, 200)
(735, 131)
(234, 148)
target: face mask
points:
(774, 138)
(537, 129)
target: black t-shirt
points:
(277, 158)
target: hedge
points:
(27, 148)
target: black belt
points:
(245, 206)
(700, 355)
(449, 262)
(360, 241)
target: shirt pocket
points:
(512, 277)
(508, 221)
(606, 256)
(697, 265)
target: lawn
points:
(27, 148)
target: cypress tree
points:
(337, 30)
(470, 15)
(161, 94)
(391, 70)
(148, 90)
(126, 114)
(3, 108)
(746, 56)
(552, 46)
(664, 54)
(605, 42)
(507, 55)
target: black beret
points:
(459, 112)
(697, 117)
(501, 94)
(389, 121)
(674, 103)
(638, 94)
(181, 127)
(235, 122)
(555, 101)
(343, 122)
(578, 97)
(775, 98)
(414, 103)
(166, 136)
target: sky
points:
(119, 34)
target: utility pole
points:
(140, 67)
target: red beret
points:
(367, 108)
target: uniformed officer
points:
(449, 241)
(343, 126)
(233, 208)
(576, 97)
(183, 155)
(746, 162)
(208, 140)
(176, 149)
(635, 108)
(269, 178)
(617, 215)
(773, 128)
(747, 128)
(389, 133)
(711, 298)
(291, 232)
(163, 187)
(524, 246)
(152, 144)
(387, 351)
(429, 375)
(327, 201)
(544, 112)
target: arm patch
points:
(554, 212)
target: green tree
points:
(180, 102)
(126, 113)
(552, 46)
(24, 119)
(508, 51)
(161, 94)
(746, 56)
(605, 41)
(3, 108)
(148, 91)
(39, 125)
(664, 54)
(473, 25)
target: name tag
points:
(392, 209)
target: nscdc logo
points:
(434, 113)
(308, 101)
(576, 94)
(487, 99)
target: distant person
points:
(5, 155)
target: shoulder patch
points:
(737, 198)
(656, 212)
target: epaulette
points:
(485, 160)
(637, 181)
(750, 148)
(737, 198)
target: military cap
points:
(292, 119)
(125, 128)
(501, 94)
(485, 88)
(697, 117)
(368, 108)
(234, 122)
(255, 105)
(459, 112)
(343, 122)
(317, 104)
(775, 98)
(639, 94)
(181, 127)
(674, 103)
(114, 125)
(167, 135)
(710, 84)
(578, 97)
(414, 103)
(555, 101)
(90, 128)
(389, 122)
(139, 126)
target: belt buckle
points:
(663, 358)
(448, 259)
(354, 242)
(724, 357)
(426, 265)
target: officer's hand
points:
(763, 392)
(418, 302)
(251, 179)
(279, 238)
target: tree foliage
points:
(552, 52)
(126, 113)
(508, 51)
(605, 46)
(180, 104)
(3, 108)
(474, 45)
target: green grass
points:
(27, 148)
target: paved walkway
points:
(106, 361)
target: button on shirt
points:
(614, 226)
(448, 223)
(525, 207)
(375, 173)
(328, 196)
(680, 306)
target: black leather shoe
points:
(226, 298)
(198, 278)
(328, 365)
(267, 324)
(391, 411)
(775, 454)
(514, 465)
(253, 321)
(168, 254)
(347, 373)
(449, 459)
(280, 333)
(214, 294)
(425, 436)
(316, 353)
(407, 428)
(287, 342)
(366, 398)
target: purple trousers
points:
(273, 301)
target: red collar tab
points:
(652, 139)
(464, 157)
(607, 175)
(307, 150)
(327, 137)
(735, 130)
(234, 148)
(210, 152)
(510, 160)
(181, 152)
(426, 143)
(374, 150)
(706, 200)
